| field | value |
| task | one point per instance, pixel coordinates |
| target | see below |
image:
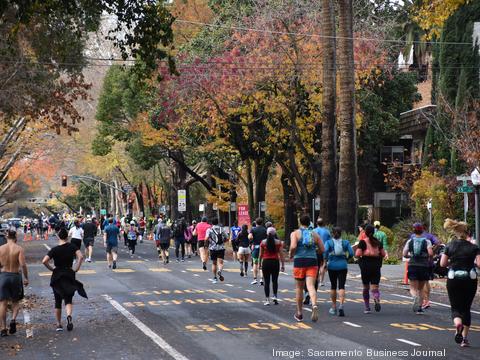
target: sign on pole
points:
(233, 206)
(464, 189)
(243, 215)
(103, 211)
(182, 200)
(317, 204)
(263, 206)
(201, 207)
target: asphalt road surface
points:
(145, 310)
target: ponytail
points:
(271, 243)
(369, 231)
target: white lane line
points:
(183, 271)
(250, 291)
(352, 324)
(283, 273)
(308, 309)
(147, 260)
(196, 275)
(403, 296)
(48, 247)
(26, 320)
(409, 342)
(157, 339)
(229, 285)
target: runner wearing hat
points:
(382, 237)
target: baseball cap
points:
(376, 223)
(418, 226)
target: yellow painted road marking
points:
(196, 270)
(123, 270)
(231, 270)
(135, 261)
(251, 326)
(424, 327)
(190, 301)
(159, 270)
(81, 272)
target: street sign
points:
(233, 206)
(182, 200)
(243, 215)
(263, 206)
(464, 189)
(317, 204)
(103, 211)
(201, 207)
(464, 178)
(127, 188)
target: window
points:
(392, 154)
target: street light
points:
(475, 176)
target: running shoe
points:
(367, 311)
(204, 266)
(275, 300)
(109, 266)
(307, 300)
(426, 305)
(254, 282)
(168, 260)
(189, 256)
(220, 276)
(416, 303)
(314, 313)
(297, 317)
(13, 327)
(458, 334)
(267, 302)
(377, 306)
(332, 311)
(3, 333)
(261, 282)
(183, 260)
(178, 260)
(241, 273)
(114, 265)
(69, 323)
(214, 281)
(59, 328)
(419, 311)
(341, 312)
(465, 343)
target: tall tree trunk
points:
(347, 202)
(290, 212)
(262, 169)
(250, 189)
(328, 186)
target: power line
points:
(275, 32)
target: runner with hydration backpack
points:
(337, 251)
(305, 244)
(419, 250)
(217, 238)
(132, 235)
(163, 234)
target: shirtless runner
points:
(12, 259)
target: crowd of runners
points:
(314, 249)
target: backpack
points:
(178, 230)
(418, 247)
(307, 238)
(132, 235)
(216, 237)
(338, 248)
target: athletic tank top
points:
(202, 230)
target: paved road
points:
(146, 310)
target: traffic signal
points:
(64, 180)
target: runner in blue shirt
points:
(110, 241)
(325, 235)
(234, 231)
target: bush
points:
(389, 233)
(401, 231)
(392, 261)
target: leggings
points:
(131, 245)
(270, 268)
(461, 293)
(179, 243)
(337, 277)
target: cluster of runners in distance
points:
(314, 250)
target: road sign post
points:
(182, 201)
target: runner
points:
(111, 238)
(234, 231)
(178, 230)
(305, 245)
(132, 235)
(271, 254)
(257, 234)
(163, 234)
(194, 238)
(76, 234)
(337, 252)
(201, 233)
(63, 280)
(436, 244)
(461, 256)
(141, 229)
(12, 260)
(89, 233)
(382, 237)
(419, 251)
(188, 241)
(217, 238)
(371, 253)
(243, 250)
(324, 234)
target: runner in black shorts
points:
(217, 238)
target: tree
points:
(347, 177)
